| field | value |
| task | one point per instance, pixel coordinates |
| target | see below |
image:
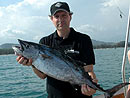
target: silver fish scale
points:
(58, 69)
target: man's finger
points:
(84, 89)
(18, 58)
(21, 60)
(29, 62)
(25, 62)
(88, 88)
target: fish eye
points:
(27, 46)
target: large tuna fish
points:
(57, 64)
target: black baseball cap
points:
(60, 6)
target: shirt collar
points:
(72, 31)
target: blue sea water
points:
(17, 81)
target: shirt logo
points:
(71, 51)
(58, 5)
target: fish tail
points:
(110, 92)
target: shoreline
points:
(11, 52)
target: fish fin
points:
(45, 56)
(75, 62)
(95, 85)
(110, 92)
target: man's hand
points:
(28, 62)
(24, 61)
(86, 90)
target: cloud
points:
(91, 30)
(11, 33)
(37, 3)
(108, 3)
(108, 17)
(36, 37)
(28, 19)
(1, 14)
(24, 18)
(119, 5)
(88, 28)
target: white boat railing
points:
(125, 52)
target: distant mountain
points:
(7, 45)
(98, 43)
(95, 43)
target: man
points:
(80, 43)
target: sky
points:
(28, 19)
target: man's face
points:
(61, 20)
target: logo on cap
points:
(58, 5)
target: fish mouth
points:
(17, 50)
(20, 47)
